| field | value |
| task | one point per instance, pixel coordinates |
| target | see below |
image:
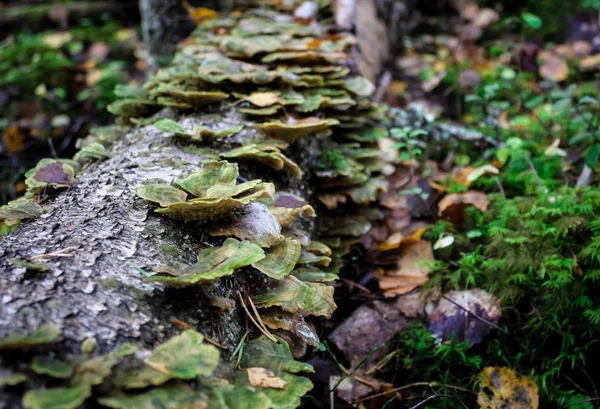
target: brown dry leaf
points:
(452, 207)
(413, 259)
(400, 285)
(13, 139)
(264, 378)
(466, 176)
(555, 69)
(413, 267)
(263, 99)
(504, 388)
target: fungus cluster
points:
(290, 82)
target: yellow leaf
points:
(504, 388)
(13, 139)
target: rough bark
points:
(109, 234)
(98, 238)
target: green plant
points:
(541, 256)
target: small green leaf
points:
(591, 160)
(531, 20)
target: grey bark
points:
(110, 233)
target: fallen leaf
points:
(13, 139)
(400, 285)
(452, 206)
(504, 388)
(554, 69)
(264, 378)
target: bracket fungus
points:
(273, 81)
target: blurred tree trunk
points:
(164, 24)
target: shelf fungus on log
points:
(188, 169)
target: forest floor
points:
(501, 223)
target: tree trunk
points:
(99, 239)
(164, 24)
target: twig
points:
(185, 325)
(587, 375)
(432, 397)
(261, 329)
(500, 187)
(59, 253)
(258, 317)
(491, 324)
(537, 176)
(357, 285)
(357, 367)
(575, 384)
(412, 385)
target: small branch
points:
(412, 385)
(432, 397)
(260, 328)
(499, 184)
(354, 284)
(59, 253)
(587, 375)
(185, 325)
